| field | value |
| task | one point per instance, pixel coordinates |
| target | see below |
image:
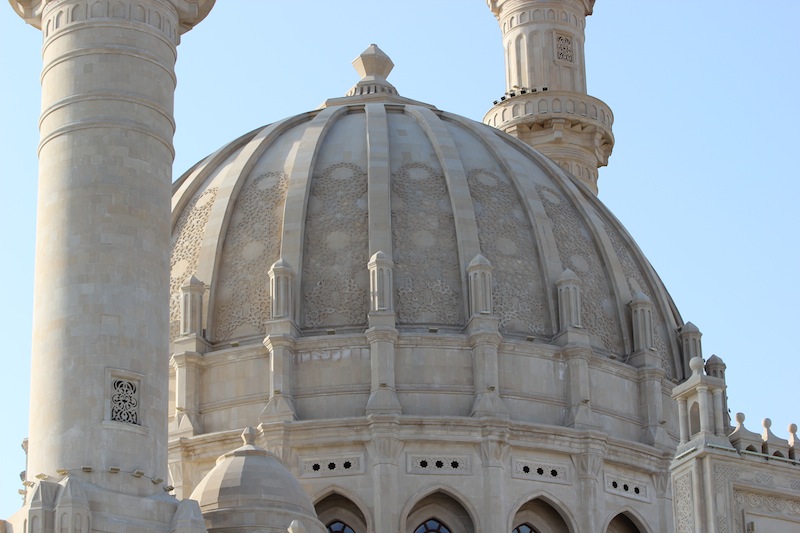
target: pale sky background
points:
(707, 109)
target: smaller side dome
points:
(249, 489)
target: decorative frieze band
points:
(69, 13)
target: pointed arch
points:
(561, 509)
(626, 515)
(407, 517)
(336, 502)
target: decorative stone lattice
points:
(425, 254)
(125, 401)
(336, 249)
(186, 241)
(579, 253)
(331, 466)
(441, 465)
(684, 504)
(539, 471)
(506, 239)
(637, 283)
(626, 487)
(564, 48)
(251, 246)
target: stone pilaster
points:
(382, 336)
(588, 465)
(494, 451)
(280, 406)
(280, 342)
(187, 419)
(384, 449)
(485, 338)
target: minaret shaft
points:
(99, 356)
(546, 104)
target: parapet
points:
(766, 444)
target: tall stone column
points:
(546, 104)
(100, 340)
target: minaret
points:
(546, 104)
(99, 378)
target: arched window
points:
(432, 526)
(337, 526)
(524, 528)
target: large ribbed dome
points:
(324, 191)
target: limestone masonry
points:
(373, 317)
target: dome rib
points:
(184, 189)
(662, 300)
(534, 210)
(229, 190)
(611, 266)
(296, 205)
(379, 176)
(456, 178)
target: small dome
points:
(249, 489)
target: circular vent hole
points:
(526, 469)
(454, 464)
(331, 466)
(439, 464)
(347, 465)
(315, 467)
(423, 463)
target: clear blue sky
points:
(705, 97)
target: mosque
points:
(373, 317)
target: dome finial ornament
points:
(374, 66)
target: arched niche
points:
(541, 516)
(336, 508)
(623, 523)
(442, 506)
(694, 419)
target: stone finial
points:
(794, 444)
(642, 320)
(696, 364)
(690, 341)
(249, 436)
(374, 66)
(373, 62)
(297, 527)
(281, 290)
(381, 272)
(569, 300)
(481, 300)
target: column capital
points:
(190, 12)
